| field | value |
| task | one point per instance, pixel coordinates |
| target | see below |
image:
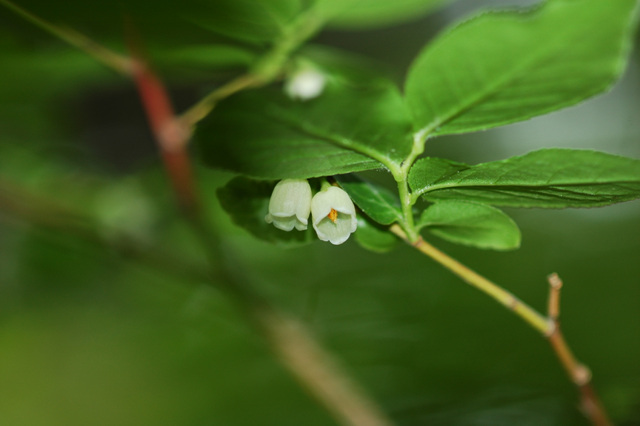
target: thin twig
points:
(547, 326)
(108, 57)
(555, 284)
(170, 134)
(318, 372)
(579, 373)
(504, 297)
(201, 109)
(266, 68)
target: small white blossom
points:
(290, 205)
(334, 215)
(306, 84)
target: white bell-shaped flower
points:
(333, 215)
(290, 205)
(305, 84)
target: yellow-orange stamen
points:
(333, 215)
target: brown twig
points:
(579, 373)
(171, 136)
(318, 372)
(170, 133)
(553, 306)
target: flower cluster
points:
(332, 211)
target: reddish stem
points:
(170, 133)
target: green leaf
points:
(167, 24)
(348, 128)
(548, 178)
(207, 57)
(472, 224)
(247, 202)
(377, 202)
(503, 67)
(249, 20)
(343, 66)
(374, 13)
(429, 170)
(372, 237)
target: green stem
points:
(304, 27)
(201, 109)
(502, 296)
(548, 325)
(407, 200)
(408, 224)
(265, 70)
(113, 60)
(409, 233)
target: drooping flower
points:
(290, 205)
(333, 215)
(305, 84)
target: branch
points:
(553, 306)
(579, 373)
(502, 296)
(318, 372)
(201, 109)
(171, 135)
(111, 59)
(266, 69)
(548, 326)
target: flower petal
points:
(335, 229)
(290, 205)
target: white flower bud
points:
(290, 204)
(334, 215)
(306, 84)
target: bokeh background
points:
(89, 337)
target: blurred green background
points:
(89, 337)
